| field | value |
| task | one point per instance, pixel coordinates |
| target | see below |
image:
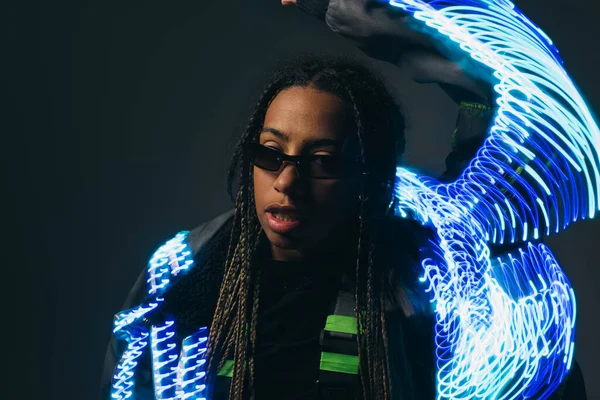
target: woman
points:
(315, 169)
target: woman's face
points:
(300, 215)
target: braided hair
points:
(379, 127)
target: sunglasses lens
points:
(264, 158)
(326, 167)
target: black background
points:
(118, 128)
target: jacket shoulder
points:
(200, 235)
(177, 256)
(185, 245)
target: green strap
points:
(227, 369)
(335, 362)
(341, 323)
(343, 363)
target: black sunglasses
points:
(314, 166)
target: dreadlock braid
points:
(364, 311)
(379, 129)
(253, 325)
(387, 383)
(360, 295)
(216, 332)
(374, 375)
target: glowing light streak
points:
(127, 317)
(123, 384)
(169, 260)
(191, 372)
(164, 360)
(505, 329)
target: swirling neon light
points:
(505, 328)
(165, 354)
(123, 379)
(169, 260)
(191, 372)
(127, 317)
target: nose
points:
(289, 180)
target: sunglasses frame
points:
(301, 162)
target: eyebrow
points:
(313, 143)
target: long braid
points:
(239, 348)
(388, 393)
(246, 334)
(216, 327)
(222, 319)
(378, 370)
(253, 329)
(255, 283)
(230, 283)
(250, 241)
(370, 310)
(372, 337)
(364, 376)
(364, 301)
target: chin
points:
(283, 242)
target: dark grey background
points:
(121, 117)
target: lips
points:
(284, 219)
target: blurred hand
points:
(287, 2)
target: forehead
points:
(306, 114)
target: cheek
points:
(258, 182)
(336, 200)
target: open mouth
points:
(281, 222)
(285, 217)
